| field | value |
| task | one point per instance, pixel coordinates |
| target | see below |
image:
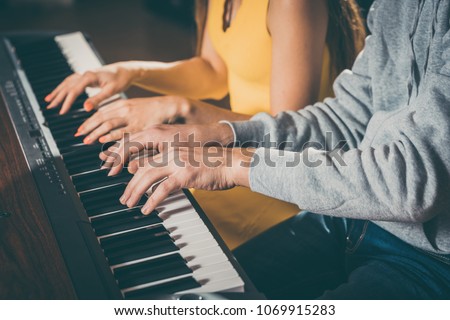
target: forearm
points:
(194, 78)
(198, 112)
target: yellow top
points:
(239, 214)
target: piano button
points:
(183, 284)
(151, 271)
(123, 221)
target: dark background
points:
(162, 30)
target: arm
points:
(400, 174)
(298, 30)
(197, 78)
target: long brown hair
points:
(345, 34)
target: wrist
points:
(225, 134)
(134, 70)
(239, 170)
(183, 107)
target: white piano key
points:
(206, 271)
(208, 261)
(228, 285)
(208, 249)
(192, 239)
(81, 58)
(180, 219)
(155, 283)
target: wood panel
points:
(31, 265)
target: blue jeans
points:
(311, 256)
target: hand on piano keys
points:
(185, 158)
(110, 80)
(129, 115)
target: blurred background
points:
(161, 30)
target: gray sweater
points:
(392, 112)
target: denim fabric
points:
(313, 256)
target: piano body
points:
(63, 232)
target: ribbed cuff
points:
(247, 133)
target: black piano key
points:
(93, 196)
(69, 141)
(82, 169)
(75, 123)
(38, 80)
(165, 288)
(65, 131)
(105, 200)
(141, 250)
(123, 221)
(70, 121)
(77, 147)
(125, 239)
(99, 179)
(112, 205)
(86, 153)
(54, 73)
(150, 271)
(73, 114)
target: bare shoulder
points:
(295, 13)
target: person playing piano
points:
(270, 56)
(371, 167)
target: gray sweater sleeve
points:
(393, 164)
(396, 174)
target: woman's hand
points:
(111, 79)
(207, 168)
(109, 123)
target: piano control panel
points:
(25, 117)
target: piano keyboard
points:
(172, 250)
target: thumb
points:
(94, 101)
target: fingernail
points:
(130, 204)
(122, 199)
(47, 98)
(77, 134)
(145, 209)
(88, 106)
(87, 140)
(102, 140)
